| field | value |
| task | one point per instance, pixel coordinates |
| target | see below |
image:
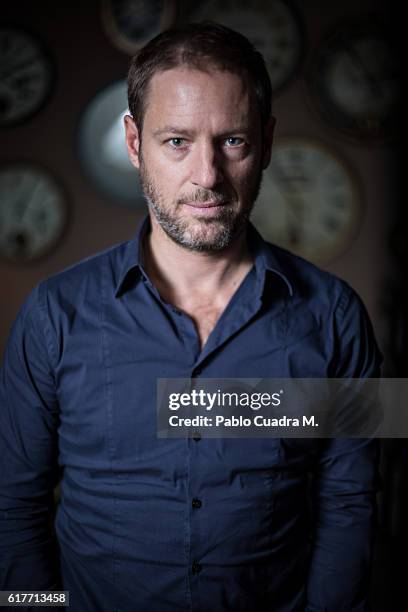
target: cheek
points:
(157, 172)
(165, 170)
(168, 186)
(245, 174)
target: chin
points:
(208, 241)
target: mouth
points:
(203, 205)
(205, 209)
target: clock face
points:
(308, 202)
(32, 212)
(356, 82)
(25, 76)
(102, 147)
(273, 27)
(131, 23)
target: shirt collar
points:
(133, 256)
(265, 256)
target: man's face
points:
(201, 155)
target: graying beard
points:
(177, 232)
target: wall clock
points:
(33, 212)
(102, 148)
(309, 201)
(26, 75)
(355, 80)
(131, 23)
(274, 28)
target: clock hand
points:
(294, 205)
(291, 209)
(25, 201)
(289, 192)
(369, 78)
(15, 69)
(282, 178)
(19, 208)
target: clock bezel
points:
(51, 66)
(296, 69)
(120, 40)
(117, 187)
(319, 96)
(324, 255)
(57, 239)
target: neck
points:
(178, 272)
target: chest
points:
(205, 317)
(109, 365)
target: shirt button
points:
(196, 436)
(196, 567)
(196, 503)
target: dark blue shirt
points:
(159, 525)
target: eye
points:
(234, 141)
(176, 143)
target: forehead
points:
(196, 96)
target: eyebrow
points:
(171, 129)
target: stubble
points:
(203, 234)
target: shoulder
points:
(102, 267)
(330, 306)
(69, 299)
(312, 285)
(79, 287)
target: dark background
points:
(375, 263)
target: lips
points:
(205, 209)
(205, 204)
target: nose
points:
(206, 166)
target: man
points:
(160, 525)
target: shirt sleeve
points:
(346, 481)
(28, 454)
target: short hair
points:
(201, 46)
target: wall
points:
(86, 62)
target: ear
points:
(267, 142)
(132, 140)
